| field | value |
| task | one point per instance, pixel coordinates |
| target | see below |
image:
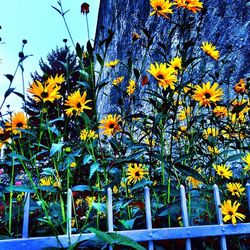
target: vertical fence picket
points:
(248, 195)
(26, 212)
(110, 213)
(69, 212)
(223, 242)
(148, 215)
(184, 214)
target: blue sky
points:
(43, 28)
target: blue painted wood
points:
(26, 213)
(110, 213)
(248, 195)
(137, 235)
(184, 214)
(69, 212)
(223, 242)
(146, 235)
(148, 215)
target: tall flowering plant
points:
(185, 130)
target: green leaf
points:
(99, 59)
(57, 10)
(128, 224)
(19, 94)
(8, 92)
(93, 168)
(18, 156)
(87, 159)
(84, 84)
(10, 77)
(125, 241)
(48, 171)
(102, 236)
(55, 148)
(235, 157)
(142, 184)
(136, 73)
(23, 188)
(80, 188)
(189, 172)
(78, 50)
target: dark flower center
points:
(78, 105)
(160, 76)
(207, 95)
(137, 173)
(159, 8)
(111, 125)
(230, 213)
(19, 125)
(44, 95)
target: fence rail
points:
(149, 234)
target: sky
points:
(44, 29)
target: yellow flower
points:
(150, 142)
(4, 137)
(44, 92)
(135, 36)
(193, 182)
(115, 189)
(19, 197)
(131, 87)
(136, 172)
(230, 211)
(161, 8)
(118, 80)
(188, 88)
(88, 135)
(223, 171)
(57, 80)
(110, 124)
(46, 181)
(17, 121)
(220, 111)
(165, 76)
(77, 103)
(207, 94)
(213, 132)
(184, 113)
(240, 87)
(176, 63)
(192, 5)
(112, 64)
(78, 202)
(210, 50)
(213, 150)
(73, 164)
(90, 200)
(246, 159)
(235, 188)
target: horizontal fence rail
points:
(148, 235)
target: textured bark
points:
(224, 23)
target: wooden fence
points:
(149, 234)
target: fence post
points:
(110, 213)
(148, 216)
(248, 195)
(223, 242)
(184, 214)
(69, 213)
(26, 213)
